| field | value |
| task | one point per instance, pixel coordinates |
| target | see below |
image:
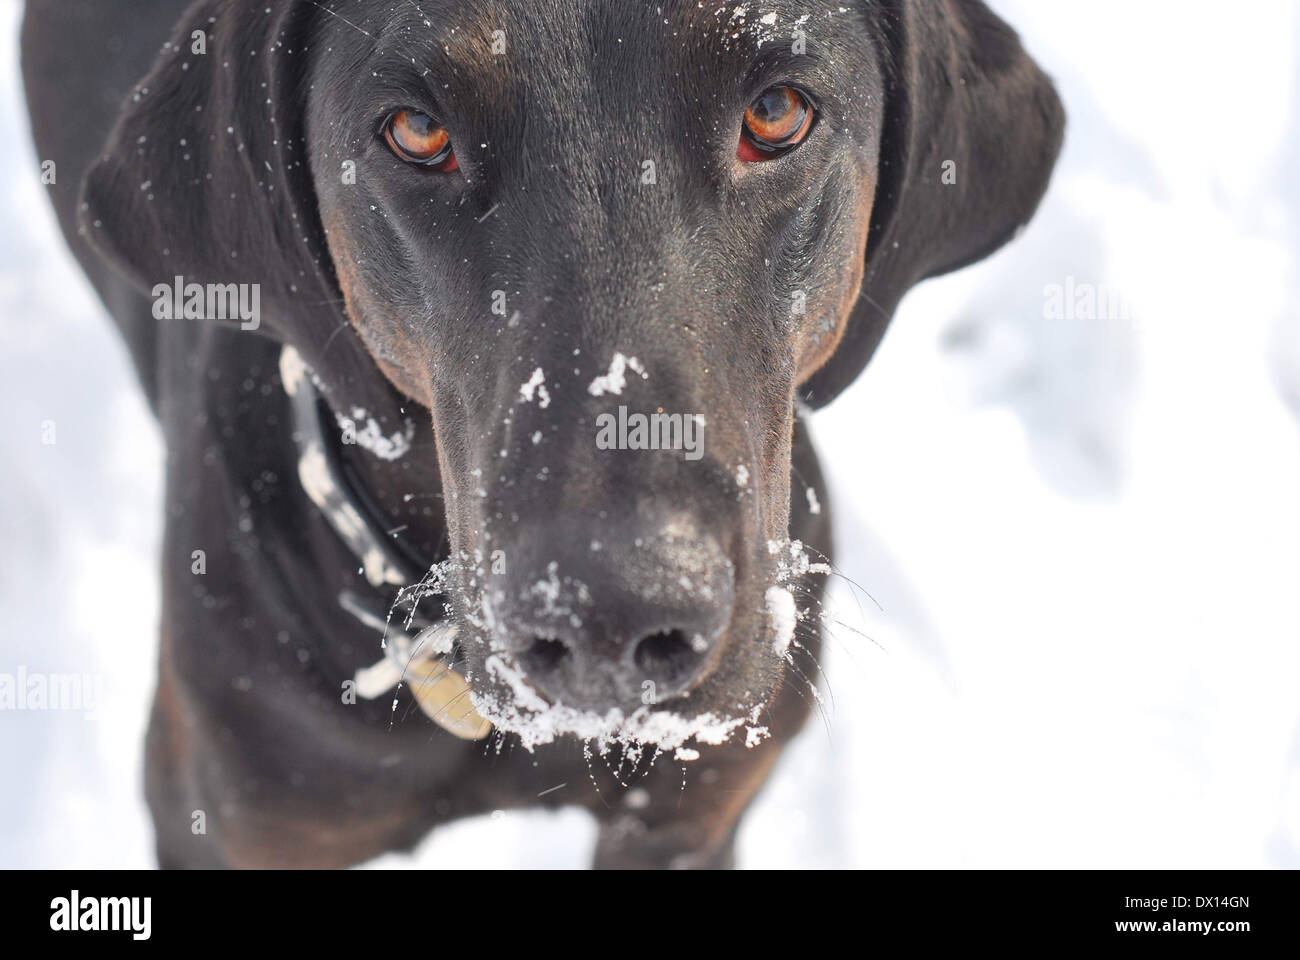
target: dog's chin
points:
(502, 695)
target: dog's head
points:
(580, 232)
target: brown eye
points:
(776, 122)
(417, 138)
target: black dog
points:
(506, 221)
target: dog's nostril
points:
(670, 656)
(545, 655)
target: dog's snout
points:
(595, 627)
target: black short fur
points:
(225, 167)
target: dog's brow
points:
(445, 46)
(485, 53)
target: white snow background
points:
(1085, 534)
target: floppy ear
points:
(206, 177)
(972, 130)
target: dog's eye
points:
(417, 138)
(778, 121)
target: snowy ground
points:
(1085, 533)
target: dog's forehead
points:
(489, 48)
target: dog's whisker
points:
(817, 667)
(450, 703)
(329, 341)
(591, 773)
(863, 295)
(341, 17)
(837, 572)
(409, 707)
(816, 695)
(835, 621)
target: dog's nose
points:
(574, 671)
(594, 626)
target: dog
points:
(482, 335)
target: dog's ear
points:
(971, 132)
(202, 173)
(205, 176)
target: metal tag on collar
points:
(420, 663)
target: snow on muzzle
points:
(617, 616)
